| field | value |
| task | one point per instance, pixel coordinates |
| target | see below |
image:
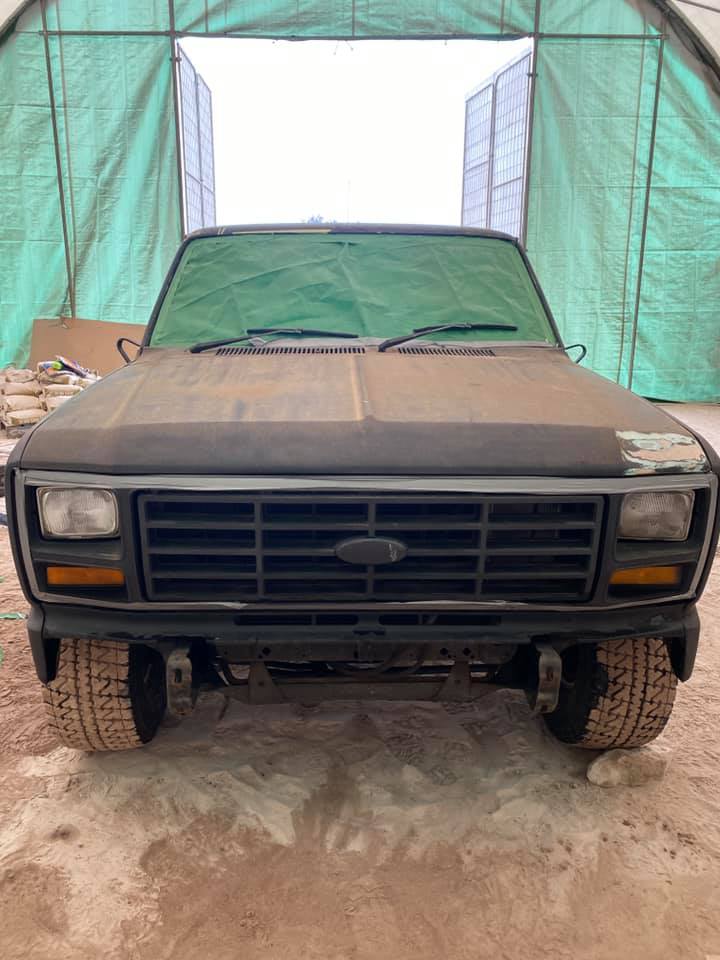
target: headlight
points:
(656, 516)
(72, 512)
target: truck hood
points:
(521, 410)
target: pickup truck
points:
(358, 462)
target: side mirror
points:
(121, 350)
(583, 351)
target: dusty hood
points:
(524, 411)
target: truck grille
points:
(281, 547)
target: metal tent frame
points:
(696, 22)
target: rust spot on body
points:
(647, 453)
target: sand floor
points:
(355, 831)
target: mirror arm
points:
(121, 349)
(583, 351)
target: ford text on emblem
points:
(371, 550)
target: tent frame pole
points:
(174, 64)
(58, 161)
(239, 35)
(646, 209)
(530, 124)
(702, 6)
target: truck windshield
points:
(369, 284)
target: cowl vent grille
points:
(441, 351)
(275, 351)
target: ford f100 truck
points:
(357, 462)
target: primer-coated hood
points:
(525, 411)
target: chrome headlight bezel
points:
(74, 530)
(660, 516)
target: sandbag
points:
(66, 378)
(20, 418)
(62, 390)
(29, 389)
(18, 376)
(52, 403)
(21, 403)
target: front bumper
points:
(303, 635)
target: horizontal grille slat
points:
(200, 524)
(541, 550)
(221, 573)
(559, 524)
(544, 575)
(266, 546)
(211, 550)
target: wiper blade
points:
(253, 332)
(305, 332)
(439, 327)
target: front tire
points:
(105, 695)
(618, 693)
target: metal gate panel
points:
(496, 136)
(197, 146)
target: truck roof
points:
(387, 228)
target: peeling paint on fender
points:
(647, 453)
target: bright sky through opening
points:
(366, 131)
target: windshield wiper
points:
(253, 332)
(439, 327)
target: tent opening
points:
(367, 131)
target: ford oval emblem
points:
(371, 550)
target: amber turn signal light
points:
(84, 577)
(647, 577)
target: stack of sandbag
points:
(21, 399)
(55, 394)
(27, 396)
(62, 379)
(59, 388)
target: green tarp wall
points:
(624, 194)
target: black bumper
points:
(338, 633)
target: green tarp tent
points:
(623, 186)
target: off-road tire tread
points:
(88, 703)
(632, 696)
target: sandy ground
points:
(355, 831)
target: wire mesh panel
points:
(206, 150)
(509, 147)
(496, 132)
(478, 130)
(198, 151)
